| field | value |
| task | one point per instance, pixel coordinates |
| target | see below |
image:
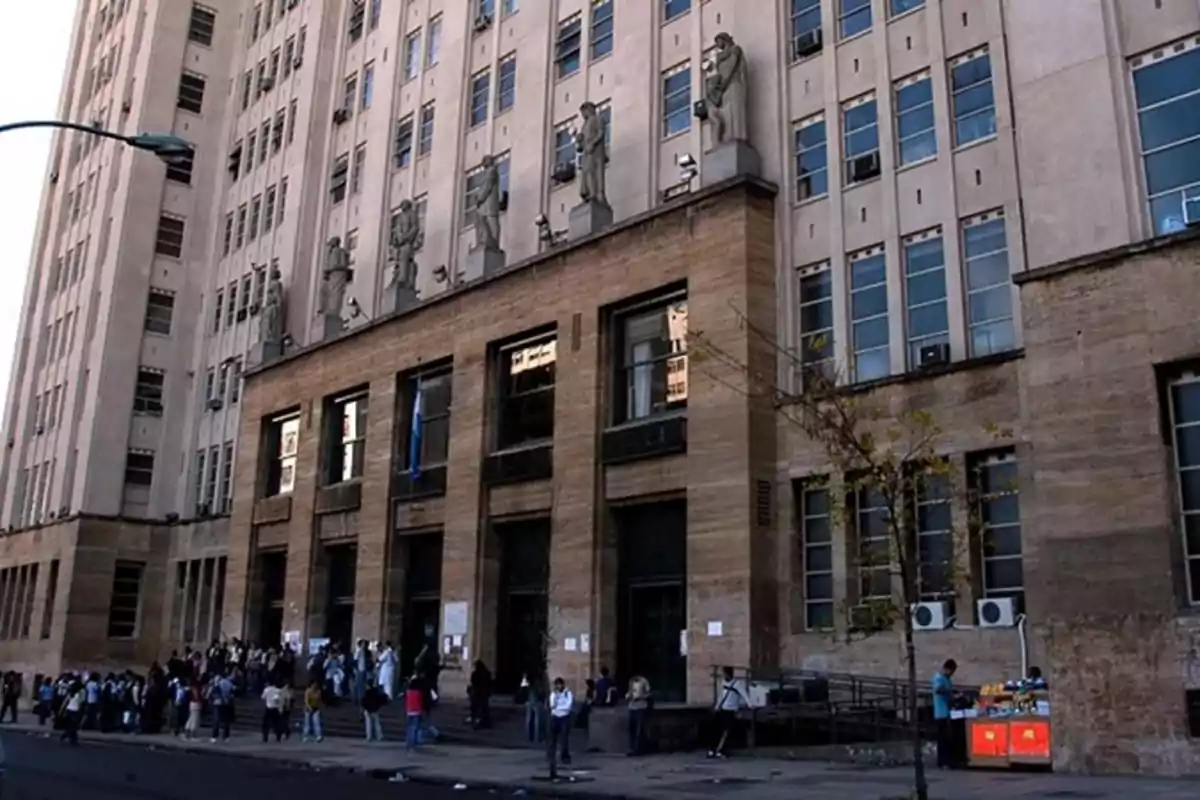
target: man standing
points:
(220, 697)
(562, 703)
(639, 705)
(943, 693)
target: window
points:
(860, 132)
(125, 599)
(210, 384)
(971, 97)
(934, 534)
(602, 28)
(433, 42)
(283, 439)
(247, 88)
(564, 145)
(874, 545)
(244, 300)
(480, 88)
(169, 240)
(160, 308)
(567, 46)
(255, 215)
(368, 85)
(812, 170)
(225, 494)
(511, 7)
(337, 183)
(251, 151)
(139, 468)
(350, 94)
(277, 131)
(989, 286)
(179, 169)
(256, 24)
(191, 92)
(347, 438)
(854, 17)
(200, 27)
(653, 371)
(283, 187)
(435, 390)
(484, 8)
(273, 72)
(526, 392)
(289, 55)
(268, 216)
(291, 122)
(356, 170)
(235, 382)
(425, 140)
(412, 55)
(925, 294)
(898, 7)
(816, 534)
(806, 18)
(239, 235)
(677, 100)
(816, 324)
(916, 139)
(210, 485)
(376, 12)
(218, 310)
(148, 394)
(227, 235)
(260, 283)
(506, 83)
(231, 308)
(471, 187)
(403, 143)
(869, 314)
(355, 27)
(1168, 102)
(264, 142)
(999, 513)
(673, 8)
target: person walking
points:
(372, 701)
(730, 701)
(414, 709)
(45, 701)
(562, 703)
(639, 699)
(387, 670)
(943, 694)
(220, 697)
(480, 691)
(313, 702)
(11, 694)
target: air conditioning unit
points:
(1191, 211)
(864, 167)
(700, 110)
(807, 44)
(933, 355)
(996, 612)
(126, 106)
(214, 404)
(39, 430)
(297, 62)
(483, 22)
(931, 616)
(340, 116)
(234, 163)
(266, 83)
(563, 173)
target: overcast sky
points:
(34, 38)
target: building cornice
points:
(1106, 259)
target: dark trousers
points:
(272, 722)
(481, 711)
(726, 721)
(70, 730)
(637, 721)
(222, 716)
(560, 730)
(945, 743)
(9, 707)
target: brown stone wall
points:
(721, 243)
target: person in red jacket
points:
(414, 709)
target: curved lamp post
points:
(168, 147)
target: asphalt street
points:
(44, 769)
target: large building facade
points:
(936, 178)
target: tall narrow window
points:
(425, 138)
(925, 294)
(506, 83)
(402, 145)
(526, 392)
(1167, 89)
(869, 314)
(356, 171)
(435, 388)
(225, 493)
(268, 214)
(125, 599)
(916, 139)
(675, 8)
(874, 545)
(806, 28)
(677, 100)
(412, 55)
(994, 480)
(812, 164)
(227, 235)
(347, 438)
(816, 325)
(602, 28)
(652, 374)
(201, 471)
(816, 533)
(860, 134)
(568, 45)
(989, 285)
(255, 215)
(201, 25)
(350, 94)
(239, 234)
(972, 98)
(433, 41)
(933, 529)
(160, 309)
(169, 241)
(854, 17)
(191, 92)
(480, 89)
(283, 446)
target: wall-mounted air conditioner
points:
(996, 612)
(931, 616)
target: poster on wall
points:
(292, 639)
(315, 645)
(454, 619)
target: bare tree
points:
(883, 461)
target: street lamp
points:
(168, 147)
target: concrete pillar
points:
(374, 534)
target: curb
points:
(532, 787)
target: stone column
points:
(301, 534)
(374, 515)
(248, 476)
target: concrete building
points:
(921, 160)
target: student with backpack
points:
(729, 701)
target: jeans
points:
(945, 743)
(560, 733)
(533, 725)
(312, 724)
(637, 721)
(371, 726)
(221, 718)
(412, 731)
(70, 731)
(360, 685)
(272, 722)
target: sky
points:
(34, 39)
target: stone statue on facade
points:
(335, 275)
(593, 155)
(404, 241)
(725, 92)
(270, 321)
(487, 207)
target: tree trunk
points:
(914, 722)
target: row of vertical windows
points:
(264, 212)
(264, 15)
(241, 299)
(568, 46)
(262, 142)
(281, 64)
(214, 479)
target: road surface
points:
(44, 769)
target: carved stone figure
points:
(270, 321)
(335, 276)
(405, 239)
(487, 207)
(593, 155)
(725, 91)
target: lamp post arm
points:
(74, 126)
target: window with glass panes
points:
(812, 166)
(402, 145)
(898, 7)
(160, 309)
(1166, 86)
(225, 492)
(283, 438)
(869, 314)
(933, 529)
(433, 41)
(601, 39)
(347, 438)
(480, 89)
(652, 374)
(916, 139)
(816, 534)
(854, 17)
(506, 83)
(874, 545)
(806, 18)
(998, 508)
(412, 55)
(1185, 426)
(350, 94)
(860, 132)
(816, 323)
(564, 144)
(425, 137)
(990, 327)
(210, 486)
(268, 217)
(436, 396)
(677, 100)
(925, 294)
(971, 98)
(527, 372)
(201, 472)
(125, 599)
(567, 46)
(675, 8)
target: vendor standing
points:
(943, 693)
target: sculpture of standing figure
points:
(270, 323)
(725, 90)
(335, 276)
(487, 207)
(405, 239)
(593, 155)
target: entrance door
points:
(418, 630)
(272, 572)
(656, 619)
(422, 613)
(524, 601)
(342, 561)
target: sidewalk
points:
(656, 777)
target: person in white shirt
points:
(72, 712)
(272, 721)
(729, 701)
(562, 704)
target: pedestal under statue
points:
(724, 114)
(594, 214)
(486, 257)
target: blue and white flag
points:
(414, 437)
